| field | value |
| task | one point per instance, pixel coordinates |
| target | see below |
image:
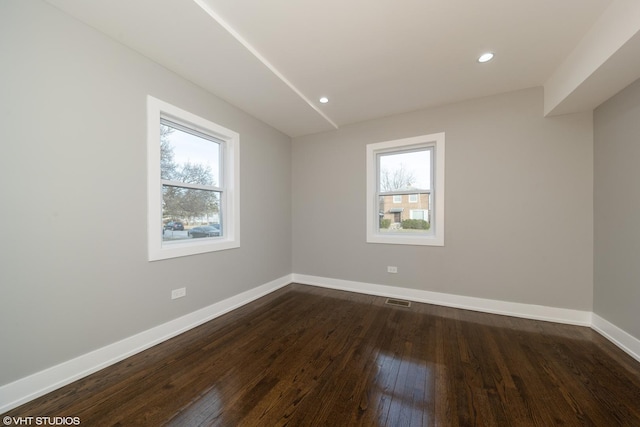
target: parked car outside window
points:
(174, 225)
(204, 231)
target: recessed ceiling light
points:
(485, 57)
(324, 100)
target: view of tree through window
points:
(405, 191)
(404, 185)
(191, 188)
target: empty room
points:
(305, 213)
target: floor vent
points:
(398, 302)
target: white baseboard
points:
(527, 311)
(622, 339)
(28, 388)
(628, 343)
(25, 389)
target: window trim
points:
(157, 109)
(435, 238)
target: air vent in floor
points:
(398, 302)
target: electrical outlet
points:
(178, 293)
(392, 269)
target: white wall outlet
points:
(392, 269)
(178, 293)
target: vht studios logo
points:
(41, 421)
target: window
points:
(193, 183)
(419, 214)
(413, 167)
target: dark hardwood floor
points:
(306, 356)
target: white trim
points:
(527, 311)
(622, 339)
(230, 239)
(625, 341)
(28, 388)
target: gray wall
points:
(74, 273)
(617, 210)
(519, 204)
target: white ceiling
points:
(375, 58)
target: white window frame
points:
(230, 198)
(397, 198)
(413, 198)
(435, 237)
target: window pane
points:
(188, 158)
(405, 171)
(184, 209)
(419, 214)
(404, 217)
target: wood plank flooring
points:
(306, 356)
